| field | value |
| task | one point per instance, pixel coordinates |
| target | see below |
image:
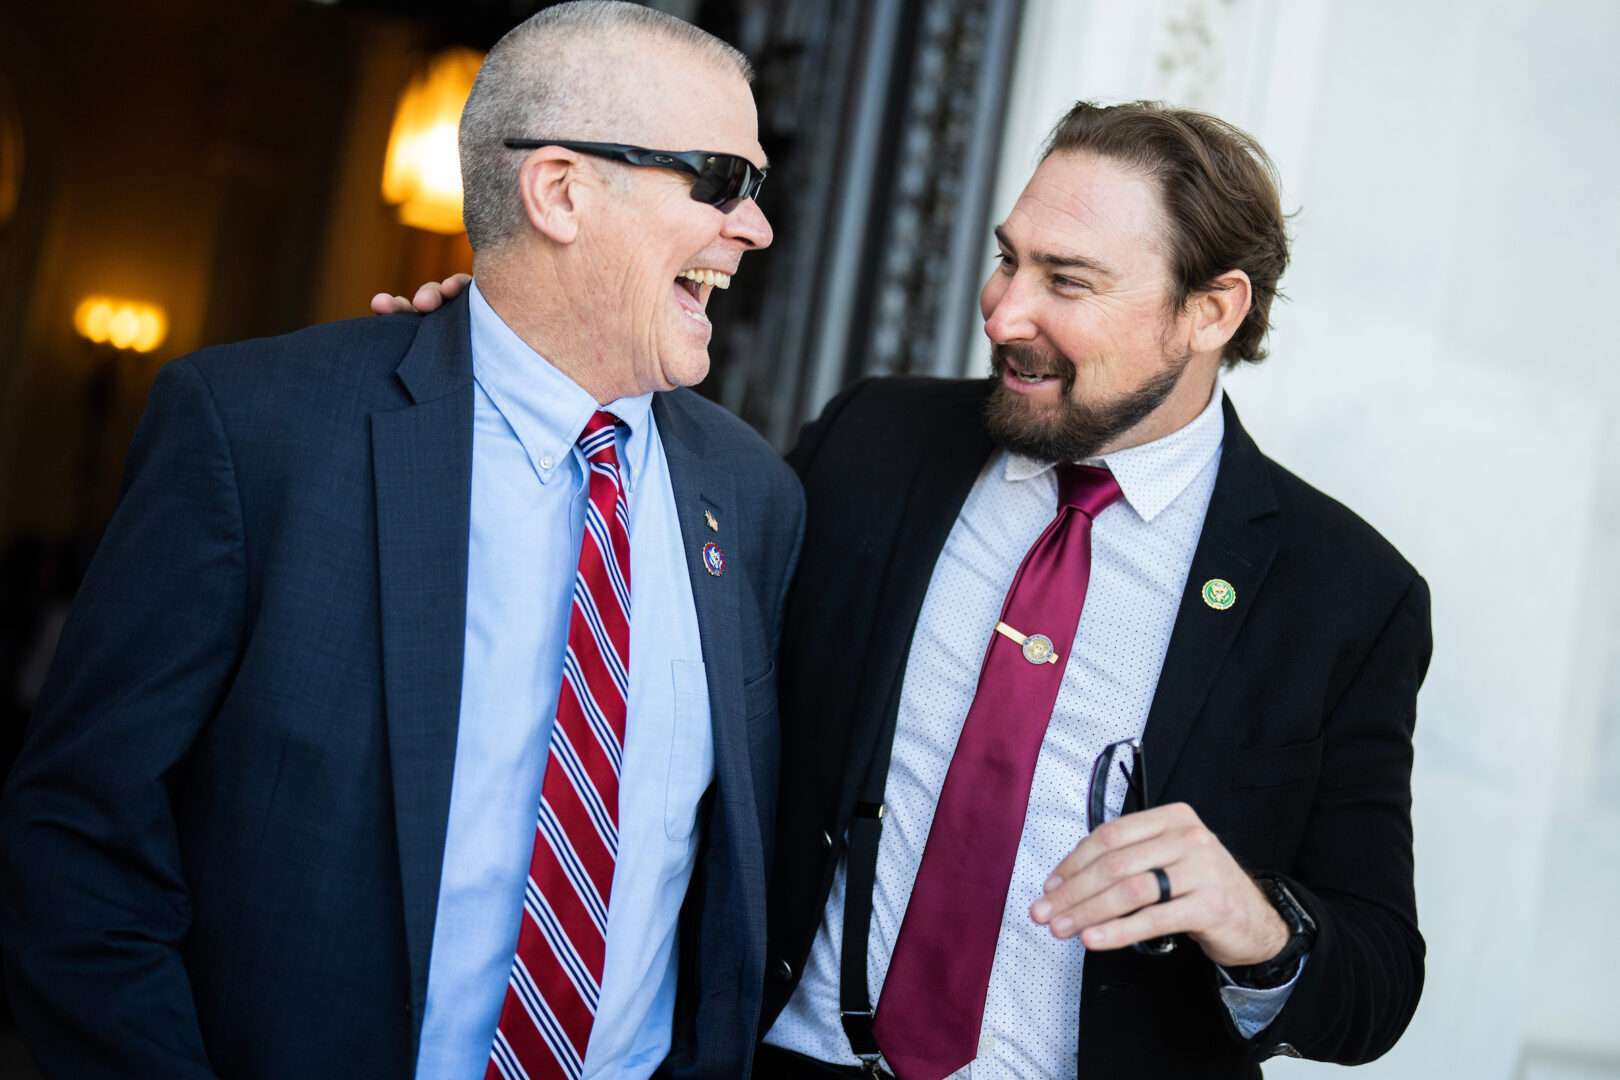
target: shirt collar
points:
(1153, 475)
(545, 408)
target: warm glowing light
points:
(422, 172)
(11, 157)
(124, 324)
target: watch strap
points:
(1280, 969)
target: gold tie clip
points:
(1038, 648)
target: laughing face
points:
(656, 256)
(1085, 346)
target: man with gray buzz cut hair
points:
(442, 742)
(538, 78)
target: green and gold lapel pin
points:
(1219, 594)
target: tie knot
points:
(598, 433)
(1088, 489)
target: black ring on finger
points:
(1164, 885)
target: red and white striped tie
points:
(556, 977)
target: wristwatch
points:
(1277, 971)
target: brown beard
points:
(1075, 430)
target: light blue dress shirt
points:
(1142, 550)
(528, 505)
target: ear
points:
(548, 183)
(1216, 311)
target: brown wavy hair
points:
(1220, 196)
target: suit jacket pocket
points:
(1273, 766)
(691, 749)
(759, 694)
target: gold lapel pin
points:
(1038, 648)
(710, 520)
(1219, 594)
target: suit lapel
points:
(423, 474)
(1237, 545)
(698, 484)
(949, 459)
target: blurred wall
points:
(184, 147)
(1444, 365)
(222, 163)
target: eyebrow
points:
(1058, 260)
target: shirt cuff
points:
(1254, 1010)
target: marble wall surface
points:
(1446, 365)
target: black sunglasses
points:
(721, 179)
(1126, 754)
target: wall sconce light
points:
(422, 171)
(131, 325)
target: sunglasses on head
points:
(718, 179)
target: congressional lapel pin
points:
(1219, 594)
(1038, 648)
(711, 521)
(714, 560)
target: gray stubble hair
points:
(528, 87)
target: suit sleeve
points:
(95, 904)
(1361, 985)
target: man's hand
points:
(1106, 892)
(429, 297)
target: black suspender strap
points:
(855, 1001)
(860, 875)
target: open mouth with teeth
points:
(1032, 373)
(1014, 371)
(718, 278)
(693, 288)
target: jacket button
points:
(826, 840)
(784, 970)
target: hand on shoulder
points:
(430, 296)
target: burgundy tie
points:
(932, 1005)
(556, 976)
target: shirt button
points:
(545, 463)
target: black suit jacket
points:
(1285, 722)
(223, 839)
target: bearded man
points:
(1013, 594)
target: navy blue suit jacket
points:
(223, 838)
